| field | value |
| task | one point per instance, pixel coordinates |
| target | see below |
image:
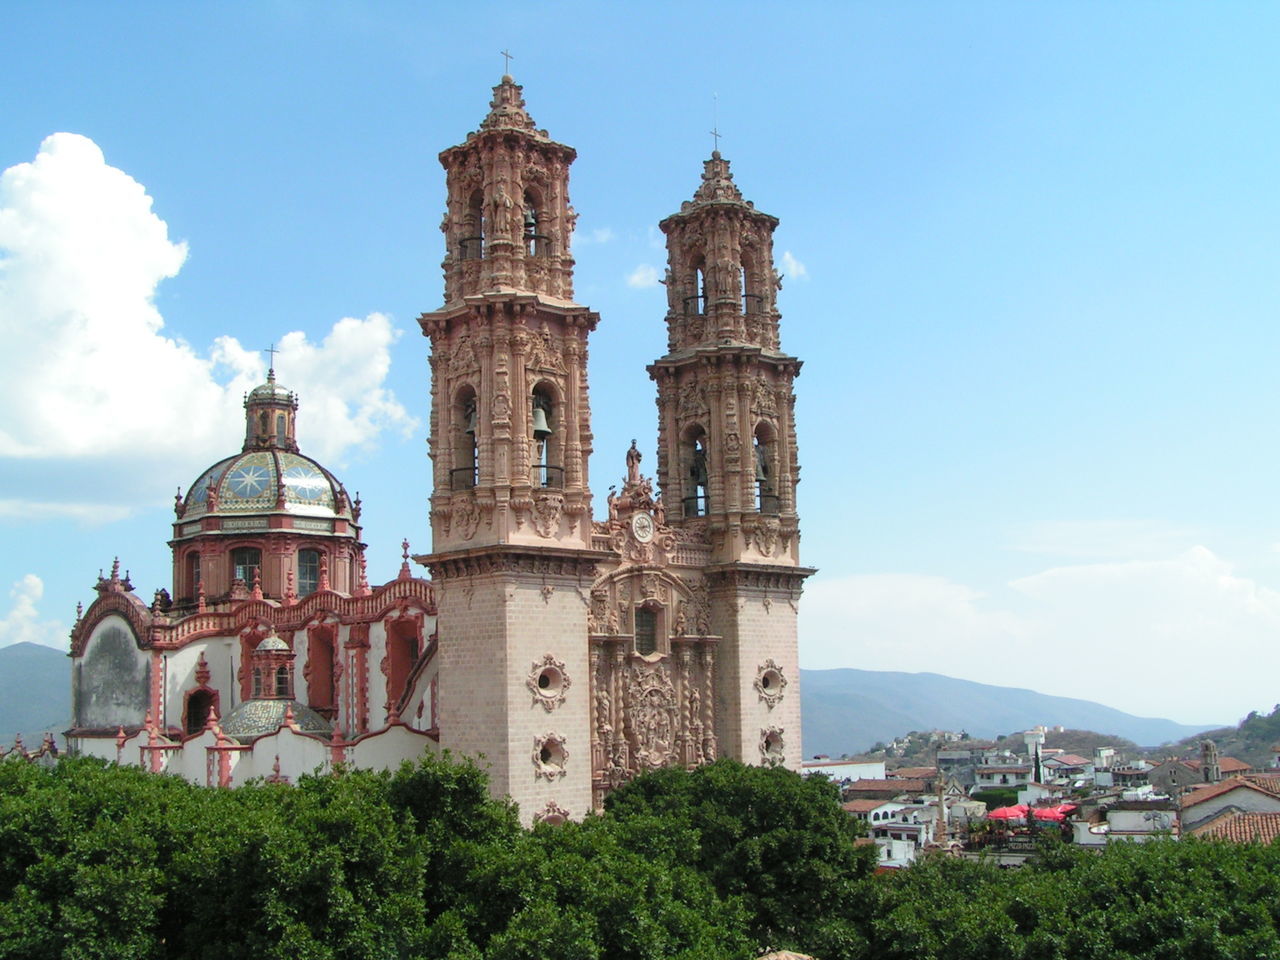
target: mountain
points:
(35, 693)
(846, 711)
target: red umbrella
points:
(1017, 812)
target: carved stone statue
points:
(633, 464)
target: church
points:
(566, 653)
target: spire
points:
(507, 108)
(717, 181)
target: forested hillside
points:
(716, 864)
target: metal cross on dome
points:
(271, 351)
(507, 58)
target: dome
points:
(250, 483)
(253, 718)
(271, 642)
(270, 391)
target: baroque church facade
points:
(569, 653)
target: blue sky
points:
(1031, 272)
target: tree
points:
(775, 840)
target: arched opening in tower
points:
(536, 241)
(465, 431)
(767, 500)
(471, 246)
(548, 470)
(696, 501)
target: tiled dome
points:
(250, 482)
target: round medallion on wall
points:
(642, 527)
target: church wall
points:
(473, 666)
(546, 623)
(759, 636)
(390, 748)
(112, 678)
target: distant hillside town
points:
(994, 799)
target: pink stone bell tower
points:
(510, 438)
(727, 456)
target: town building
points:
(570, 653)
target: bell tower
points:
(727, 455)
(509, 441)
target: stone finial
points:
(323, 583)
(717, 181)
(290, 595)
(356, 506)
(507, 108)
(201, 607)
(405, 572)
(362, 585)
(179, 508)
(256, 593)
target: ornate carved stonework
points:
(652, 717)
(770, 683)
(547, 509)
(466, 515)
(548, 682)
(549, 756)
(552, 813)
(772, 747)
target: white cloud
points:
(1104, 539)
(899, 622)
(792, 268)
(91, 514)
(643, 276)
(22, 624)
(81, 256)
(1184, 637)
(598, 235)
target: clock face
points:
(642, 527)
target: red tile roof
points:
(1225, 764)
(1242, 827)
(1069, 760)
(1211, 790)
(861, 806)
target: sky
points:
(1029, 257)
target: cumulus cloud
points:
(1142, 635)
(643, 276)
(793, 268)
(22, 623)
(81, 256)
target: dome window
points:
(244, 561)
(308, 572)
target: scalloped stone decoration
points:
(548, 682)
(550, 756)
(770, 683)
(772, 747)
(552, 813)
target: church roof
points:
(251, 482)
(254, 718)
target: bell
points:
(471, 419)
(762, 468)
(541, 429)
